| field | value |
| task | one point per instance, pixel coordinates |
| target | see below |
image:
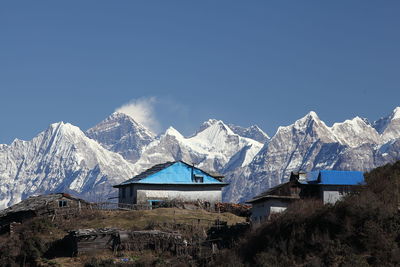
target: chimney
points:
(300, 176)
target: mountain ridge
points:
(63, 157)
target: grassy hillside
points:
(362, 230)
(142, 219)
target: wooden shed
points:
(41, 205)
(89, 241)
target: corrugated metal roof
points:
(176, 172)
(331, 177)
(148, 172)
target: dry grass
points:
(135, 258)
(143, 218)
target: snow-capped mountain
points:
(63, 158)
(292, 147)
(309, 144)
(122, 134)
(212, 148)
(355, 132)
(60, 159)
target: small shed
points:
(38, 206)
(92, 241)
(171, 181)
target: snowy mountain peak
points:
(122, 134)
(355, 132)
(115, 116)
(310, 116)
(313, 115)
(396, 114)
(213, 123)
(310, 125)
(309, 120)
(173, 132)
(355, 121)
(63, 130)
(213, 130)
(118, 118)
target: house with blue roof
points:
(328, 186)
(175, 180)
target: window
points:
(62, 203)
(123, 193)
(131, 191)
(198, 179)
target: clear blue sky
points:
(245, 62)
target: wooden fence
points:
(120, 206)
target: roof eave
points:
(272, 197)
(198, 184)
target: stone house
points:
(328, 186)
(175, 180)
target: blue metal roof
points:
(330, 177)
(177, 172)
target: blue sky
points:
(245, 62)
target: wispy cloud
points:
(142, 110)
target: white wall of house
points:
(260, 211)
(142, 193)
(332, 193)
(145, 195)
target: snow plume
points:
(142, 111)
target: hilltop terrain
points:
(33, 242)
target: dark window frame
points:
(62, 203)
